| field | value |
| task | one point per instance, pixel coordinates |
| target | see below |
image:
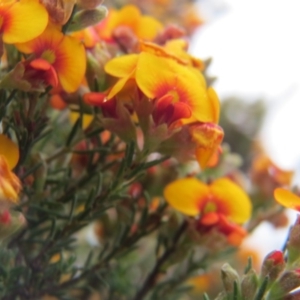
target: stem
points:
(150, 280)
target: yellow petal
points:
(121, 66)
(287, 199)
(26, 20)
(215, 104)
(70, 63)
(148, 28)
(86, 119)
(9, 150)
(232, 200)
(186, 195)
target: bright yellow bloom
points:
(287, 199)
(159, 76)
(220, 206)
(196, 198)
(21, 21)
(10, 184)
(59, 59)
(144, 27)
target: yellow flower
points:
(21, 21)
(10, 184)
(194, 197)
(59, 59)
(160, 76)
(221, 205)
(144, 27)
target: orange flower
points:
(143, 27)
(21, 21)
(10, 184)
(287, 199)
(57, 59)
(221, 205)
(268, 176)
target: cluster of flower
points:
(132, 75)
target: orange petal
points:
(9, 150)
(231, 200)
(23, 21)
(186, 195)
(287, 199)
(57, 102)
(94, 98)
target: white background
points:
(255, 46)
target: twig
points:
(150, 280)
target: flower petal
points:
(231, 200)
(23, 21)
(287, 199)
(185, 195)
(148, 28)
(121, 66)
(208, 138)
(9, 150)
(70, 63)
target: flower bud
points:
(86, 18)
(229, 277)
(249, 285)
(273, 265)
(10, 222)
(286, 283)
(293, 246)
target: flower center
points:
(210, 207)
(49, 56)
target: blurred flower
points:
(268, 176)
(200, 283)
(129, 18)
(58, 59)
(21, 21)
(220, 205)
(10, 184)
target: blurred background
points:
(255, 50)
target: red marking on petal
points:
(181, 111)
(95, 99)
(51, 77)
(209, 219)
(40, 64)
